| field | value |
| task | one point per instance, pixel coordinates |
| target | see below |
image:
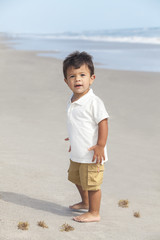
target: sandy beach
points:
(34, 156)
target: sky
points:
(58, 16)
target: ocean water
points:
(126, 49)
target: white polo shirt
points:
(83, 117)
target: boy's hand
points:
(67, 139)
(98, 153)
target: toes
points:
(77, 219)
(84, 219)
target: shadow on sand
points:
(23, 200)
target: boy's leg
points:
(84, 204)
(73, 176)
(94, 206)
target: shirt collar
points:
(82, 100)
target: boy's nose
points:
(77, 78)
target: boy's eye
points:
(72, 76)
(82, 75)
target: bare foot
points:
(87, 217)
(79, 206)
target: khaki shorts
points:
(89, 176)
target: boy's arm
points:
(67, 139)
(102, 139)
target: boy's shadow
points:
(42, 205)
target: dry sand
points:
(34, 157)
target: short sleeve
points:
(99, 110)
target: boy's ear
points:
(92, 78)
(66, 81)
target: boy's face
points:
(79, 80)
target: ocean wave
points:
(145, 40)
(145, 36)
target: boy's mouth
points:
(78, 85)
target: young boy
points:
(88, 129)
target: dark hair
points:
(77, 59)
